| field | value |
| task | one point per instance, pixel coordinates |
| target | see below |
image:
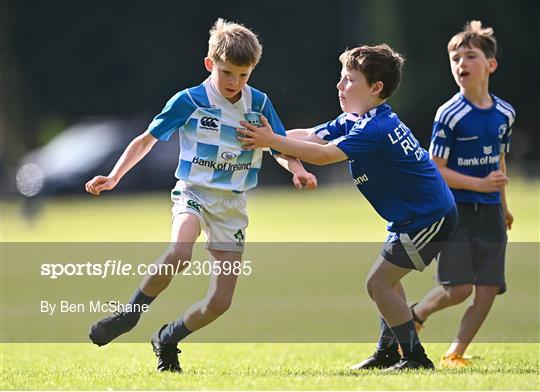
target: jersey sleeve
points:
(442, 137)
(506, 136)
(363, 138)
(173, 116)
(270, 113)
(336, 128)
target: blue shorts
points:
(417, 249)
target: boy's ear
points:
(208, 64)
(492, 64)
(377, 87)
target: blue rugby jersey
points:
(210, 154)
(390, 168)
(472, 140)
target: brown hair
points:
(377, 63)
(475, 35)
(233, 43)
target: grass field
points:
(276, 215)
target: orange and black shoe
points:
(454, 361)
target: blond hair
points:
(233, 43)
(475, 35)
(377, 63)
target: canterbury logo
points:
(210, 123)
(488, 150)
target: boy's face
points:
(228, 78)
(355, 94)
(470, 67)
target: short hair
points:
(233, 43)
(377, 63)
(475, 35)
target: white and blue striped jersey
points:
(390, 168)
(472, 139)
(210, 154)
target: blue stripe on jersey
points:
(245, 157)
(191, 126)
(184, 168)
(228, 135)
(207, 151)
(258, 100)
(222, 176)
(251, 178)
(198, 95)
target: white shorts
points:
(222, 214)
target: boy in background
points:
(471, 135)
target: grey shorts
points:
(476, 251)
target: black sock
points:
(174, 332)
(138, 298)
(387, 340)
(408, 340)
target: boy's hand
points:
(508, 219)
(253, 137)
(493, 182)
(304, 179)
(100, 183)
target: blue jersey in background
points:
(472, 139)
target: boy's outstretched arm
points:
(301, 177)
(253, 137)
(134, 152)
(306, 134)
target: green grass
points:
(253, 366)
(329, 214)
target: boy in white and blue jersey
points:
(213, 173)
(395, 175)
(471, 136)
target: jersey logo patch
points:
(210, 123)
(440, 133)
(488, 150)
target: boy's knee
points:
(459, 293)
(218, 305)
(371, 285)
(178, 253)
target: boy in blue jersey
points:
(213, 175)
(471, 136)
(395, 175)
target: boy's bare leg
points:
(218, 298)
(185, 230)
(441, 297)
(473, 318)
(382, 285)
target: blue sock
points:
(174, 332)
(387, 340)
(139, 298)
(408, 340)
